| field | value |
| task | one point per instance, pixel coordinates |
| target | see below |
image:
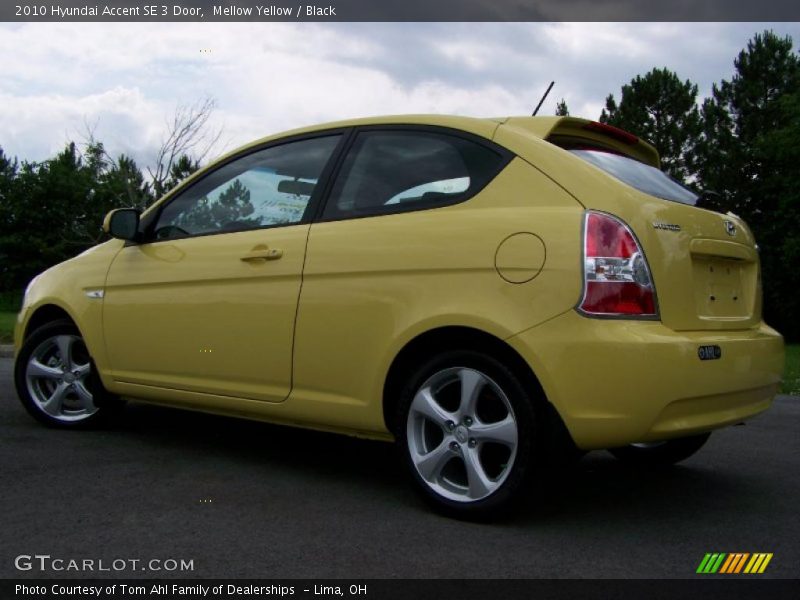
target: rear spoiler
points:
(573, 132)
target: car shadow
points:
(243, 441)
(597, 486)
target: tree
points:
(52, 210)
(561, 109)
(738, 116)
(662, 109)
(776, 229)
(8, 172)
(8, 176)
(120, 180)
(181, 169)
(40, 214)
(187, 143)
(126, 185)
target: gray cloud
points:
(127, 78)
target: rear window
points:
(643, 177)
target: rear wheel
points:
(56, 379)
(465, 429)
(661, 454)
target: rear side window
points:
(643, 177)
(396, 171)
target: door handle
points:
(262, 254)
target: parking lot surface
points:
(244, 499)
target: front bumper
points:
(19, 326)
(615, 382)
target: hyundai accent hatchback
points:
(483, 292)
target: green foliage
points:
(562, 110)
(123, 185)
(53, 210)
(7, 321)
(791, 373)
(8, 171)
(11, 301)
(662, 109)
(180, 170)
(739, 116)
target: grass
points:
(7, 319)
(10, 301)
(791, 376)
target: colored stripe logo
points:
(734, 563)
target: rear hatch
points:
(704, 264)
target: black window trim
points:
(506, 156)
(320, 191)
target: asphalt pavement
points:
(243, 499)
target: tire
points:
(469, 454)
(660, 454)
(69, 398)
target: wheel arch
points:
(44, 314)
(445, 338)
(50, 311)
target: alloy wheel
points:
(57, 375)
(462, 434)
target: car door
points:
(207, 302)
(393, 241)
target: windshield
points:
(643, 177)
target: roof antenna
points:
(538, 106)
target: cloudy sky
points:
(125, 79)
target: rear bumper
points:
(616, 382)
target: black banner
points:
(407, 10)
(733, 588)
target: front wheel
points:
(465, 429)
(660, 454)
(56, 379)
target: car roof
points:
(479, 126)
(486, 127)
(539, 127)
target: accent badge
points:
(666, 226)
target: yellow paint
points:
(308, 338)
(520, 257)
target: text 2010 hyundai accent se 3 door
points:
(484, 292)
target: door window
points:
(264, 189)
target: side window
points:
(269, 187)
(396, 171)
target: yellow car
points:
(485, 292)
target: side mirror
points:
(123, 224)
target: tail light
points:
(617, 281)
